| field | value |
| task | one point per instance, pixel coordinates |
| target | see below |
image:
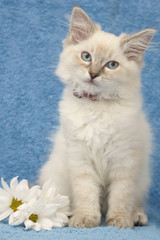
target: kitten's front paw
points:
(140, 218)
(120, 222)
(79, 221)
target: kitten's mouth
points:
(93, 97)
(91, 82)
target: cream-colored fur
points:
(101, 151)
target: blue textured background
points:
(30, 43)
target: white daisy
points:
(14, 196)
(50, 195)
(37, 208)
(35, 214)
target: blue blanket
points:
(31, 32)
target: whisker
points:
(153, 47)
(64, 23)
(79, 29)
(45, 68)
(67, 17)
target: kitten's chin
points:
(91, 87)
(91, 83)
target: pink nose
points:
(93, 75)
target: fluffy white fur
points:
(101, 152)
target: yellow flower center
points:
(33, 217)
(15, 204)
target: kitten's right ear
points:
(81, 26)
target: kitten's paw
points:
(79, 221)
(140, 218)
(120, 222)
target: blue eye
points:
(86, 56)
(112, 65)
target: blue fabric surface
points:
(30, 42)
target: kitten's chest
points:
(96, 132)
(93, 127)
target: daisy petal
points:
(4, 206)
(57, 223)
(62, 200)
(45, 223)
(13, 184)
(5, 214)
(5, 185)
(50, 210)
(3, 192)
(22, 190)
(28, 224)
(49, 191)
(62, 216)
(49, 184)
(36, 226)
(34, 191)
(66, 210)
(4, 198)
(16, 218)
(39, 207)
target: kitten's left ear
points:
(134, 45)
(81, 26)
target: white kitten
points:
(101, 152)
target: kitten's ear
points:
(81, 26)
(134, 45)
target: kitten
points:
(101, 151)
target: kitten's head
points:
(100, 63)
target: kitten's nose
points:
(93, 75)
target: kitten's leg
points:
(121, 199)
(86, 207)
(120, 204)
(139, 216)
(57, 166)
(85, 185)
